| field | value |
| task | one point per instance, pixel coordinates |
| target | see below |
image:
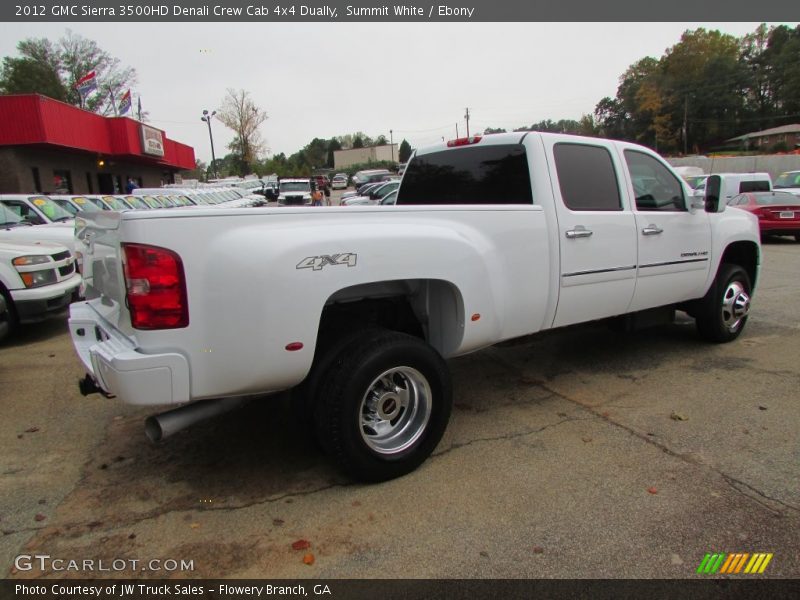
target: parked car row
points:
(777, 205)
(373, 193)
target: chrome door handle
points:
(652, 230)
(579, 232)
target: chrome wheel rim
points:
(735, 306)
(395, 410)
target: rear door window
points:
(490, 174)
(587, 177)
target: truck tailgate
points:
(97, 235)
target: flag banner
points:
(125, 103)
(86, 84)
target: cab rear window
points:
(491, 174)
(753, 186)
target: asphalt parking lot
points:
(575, 453)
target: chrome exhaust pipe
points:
(158, 427)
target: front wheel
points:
(8, 317)
(725, 307)
(383, 405)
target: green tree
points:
(781, 61)
(491, 130)
(703, 84)
(358, 142)
(333, 145)
(27, 76)
(404, 152)
(316, 153)
(199, 171)
(68, 59)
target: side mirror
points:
(712, 199)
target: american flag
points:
(125, 103)
(86, 84)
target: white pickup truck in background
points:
(356, 309)
(37, 281)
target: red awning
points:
(32, 119)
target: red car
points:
(322, 181)
(778, 212)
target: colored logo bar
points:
(735, 563)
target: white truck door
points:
(596, 230)
(674, 242)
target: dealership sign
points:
(152, 141)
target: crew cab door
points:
(596, 230)
(674, 242)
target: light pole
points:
(391, 142)
(207, 118)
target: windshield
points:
(387, 188)
(84, 204)
(199, 198)
(66, 205)
(152, 202)
(166, 201)
(136, 203)
(9, 218)
(50, 209)
(295, 186)
(181, 200)
(777, 198)
(787, 180)
(114, 203)
(97, 203)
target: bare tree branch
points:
(239, 113)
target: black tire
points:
(393, 382)
(8, 317)
(723, 311)
(797, 237)
(304, 396)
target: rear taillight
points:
(466, 141)
(156, 287)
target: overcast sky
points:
(328, 79)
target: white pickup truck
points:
(356, 309)
(37, 281)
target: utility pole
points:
(113, 101)
(207, 118)
(466, 116)
(456, 129)
(685, 114)
(391, 141)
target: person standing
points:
(131, 185)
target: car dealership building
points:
(48, 146)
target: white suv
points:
(294, 192)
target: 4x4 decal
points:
(318, 262)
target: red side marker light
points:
(294, 346)
(476, 317)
